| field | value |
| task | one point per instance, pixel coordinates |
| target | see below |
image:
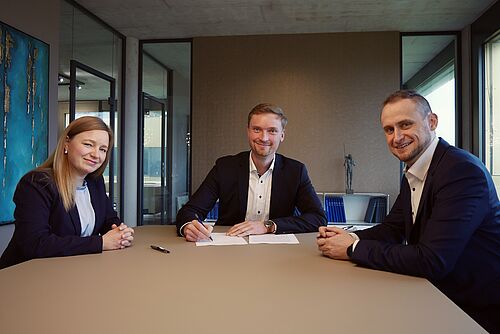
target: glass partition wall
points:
(156, 160)
(165, 86)
(95, 50)
(492, 107)
(430, 65)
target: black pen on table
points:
(199, 221)
(160, 249)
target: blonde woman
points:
(61, 207)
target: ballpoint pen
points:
(160, 249)
(199, 221)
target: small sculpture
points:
(348, 165)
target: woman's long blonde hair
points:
(58, 162)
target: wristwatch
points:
(269, 224)
(349, 250)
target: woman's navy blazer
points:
(43, 228)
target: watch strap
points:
(349, 250)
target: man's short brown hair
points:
(267, 108)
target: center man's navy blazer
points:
(228, 182)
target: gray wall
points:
(39, 19)
(330, 86)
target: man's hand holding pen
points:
(196, 231)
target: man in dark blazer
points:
(445, 223)
(259, 190)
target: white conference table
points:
(218, 289)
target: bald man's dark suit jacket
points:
(43, 228)
(455, 241)
(228, 182)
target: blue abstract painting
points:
(24, 100)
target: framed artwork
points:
(24, 104)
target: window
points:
(440, 92)
(492, 107)
(429, 67)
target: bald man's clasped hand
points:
(333, 242)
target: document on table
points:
(273, 239)
(221, 239)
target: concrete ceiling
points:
(165, 19)
(158, 19)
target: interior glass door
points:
(92, 93)
(155, 155)
(166, 75)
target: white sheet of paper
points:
(273, 239)
(221, 239)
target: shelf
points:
(355, 206)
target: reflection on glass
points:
(155, 187)
(166, 77)
(492, 108)
(429, 64)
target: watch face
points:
(268, 223)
